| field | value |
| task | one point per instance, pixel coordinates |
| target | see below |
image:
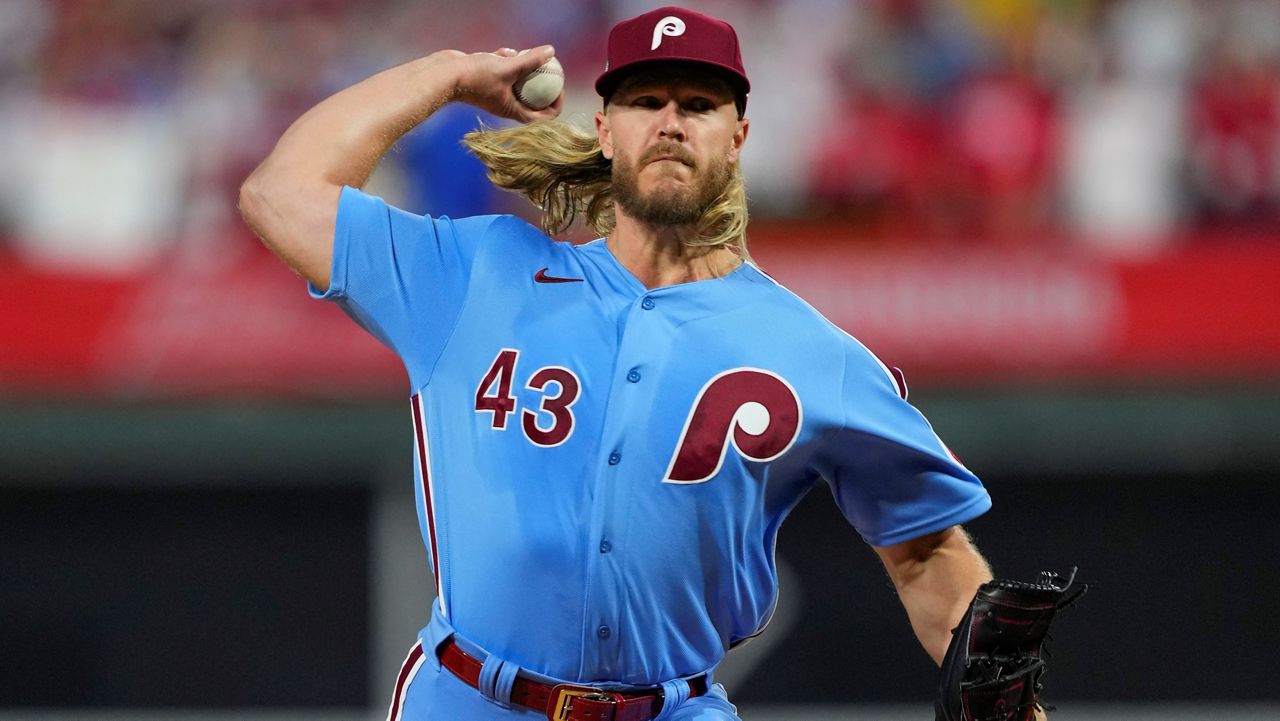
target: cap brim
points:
(609, 81)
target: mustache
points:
(675, 151)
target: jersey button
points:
(614, 458)
(603, 632)
(605, 546)
(647, 303)
(633, 375)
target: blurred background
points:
(1061, 218)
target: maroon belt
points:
(566, 702)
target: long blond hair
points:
(562, 171)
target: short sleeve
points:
(892, 477)
(402, 277)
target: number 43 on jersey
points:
(494, 396)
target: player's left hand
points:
(996, 657)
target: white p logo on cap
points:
(670, 26)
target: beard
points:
(669, 204)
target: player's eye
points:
(646, 101)
(700, 105)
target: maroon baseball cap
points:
(673, 34)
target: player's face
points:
(674, 140)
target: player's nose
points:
(671, 121)
(672, 131)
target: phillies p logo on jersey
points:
(755, 410)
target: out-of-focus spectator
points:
(1119, 178)
(1125, 134)
(24, 29)
(880, 163)
(1117, 124)
(99, 153)
(1004, 137)
(101, 185)
(793, 81)
(1235, 119)
(943, 124)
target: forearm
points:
(341, 140)
(936, 581)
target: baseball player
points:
(607, 436)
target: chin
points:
(667, 193)
(669, 182)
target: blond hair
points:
(562, 171)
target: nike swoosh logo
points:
(542, 277)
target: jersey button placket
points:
(606, 604)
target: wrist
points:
(446, 68)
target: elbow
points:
(260, 207)
(293, 218)
(250, 202)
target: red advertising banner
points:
(943, 315)
(242, 328)
(1208, 312)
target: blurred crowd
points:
(1126, 125)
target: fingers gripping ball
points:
(542, 86)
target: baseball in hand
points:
(542, 86)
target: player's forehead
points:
(676, 77)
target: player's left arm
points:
(936, 576)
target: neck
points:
(658, 255)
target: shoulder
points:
(499, 238)
(363, 212)
(510, 232)
(473, 227)
(504, 226)
(510, 243)
(767, 295)
(798, 314)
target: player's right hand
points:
(485, 80)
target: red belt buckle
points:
(564, 695)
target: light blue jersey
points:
(601, 469)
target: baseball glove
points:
(994, 663)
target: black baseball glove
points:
(993, 666)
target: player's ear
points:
(603, 135)
(739, 139)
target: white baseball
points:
(541, 86)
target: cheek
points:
(619, 144)
(721, 154)
(625, 153)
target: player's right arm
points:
(291, 199)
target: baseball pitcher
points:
(608, 435)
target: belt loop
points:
(490, 674)
(505, 681)
(674, 693)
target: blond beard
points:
(666, 207)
